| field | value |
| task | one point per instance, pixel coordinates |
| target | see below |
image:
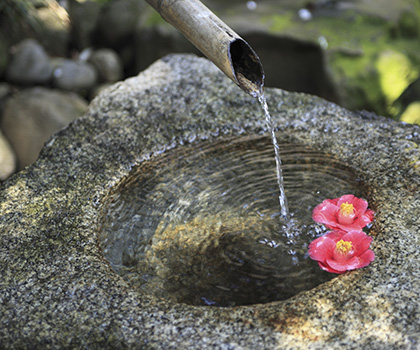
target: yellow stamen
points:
(346, 209)
(343, 247)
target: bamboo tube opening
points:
(219, 43)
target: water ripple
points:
(201, 224)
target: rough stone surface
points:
(59, 292)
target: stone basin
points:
(58, 291)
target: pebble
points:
(33, 115)
(108, 65)
(29, 65)
(7, 158)
(74, 75)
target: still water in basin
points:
(201, 224)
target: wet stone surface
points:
(58, 290)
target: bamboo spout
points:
(215, 40)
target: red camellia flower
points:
(339, 251)
(346, 213)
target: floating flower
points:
(339, 251)
(346, 213)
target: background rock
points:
(107, 64)
(33, 115)
(74, 75)
(29, 64)
(7, 158)
(5, 92)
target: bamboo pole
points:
(219, 43)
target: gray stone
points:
(5, 90)
(33, 115)
(29, 64)
(108, 65)
(59, 292)
(7, 158)
(74, 75)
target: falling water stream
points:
(282, 196)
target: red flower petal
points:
(366, 218)
(366, 258)
(338, 266)
(354, 263)
(335, 235)
(363, 245)
(321, 248)
(352, 227)
(326, 213)
(360, 205)
(360, 240)
(324, 249)
(333, 201)
(328, 268)
(369, 214)
(347, 198)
